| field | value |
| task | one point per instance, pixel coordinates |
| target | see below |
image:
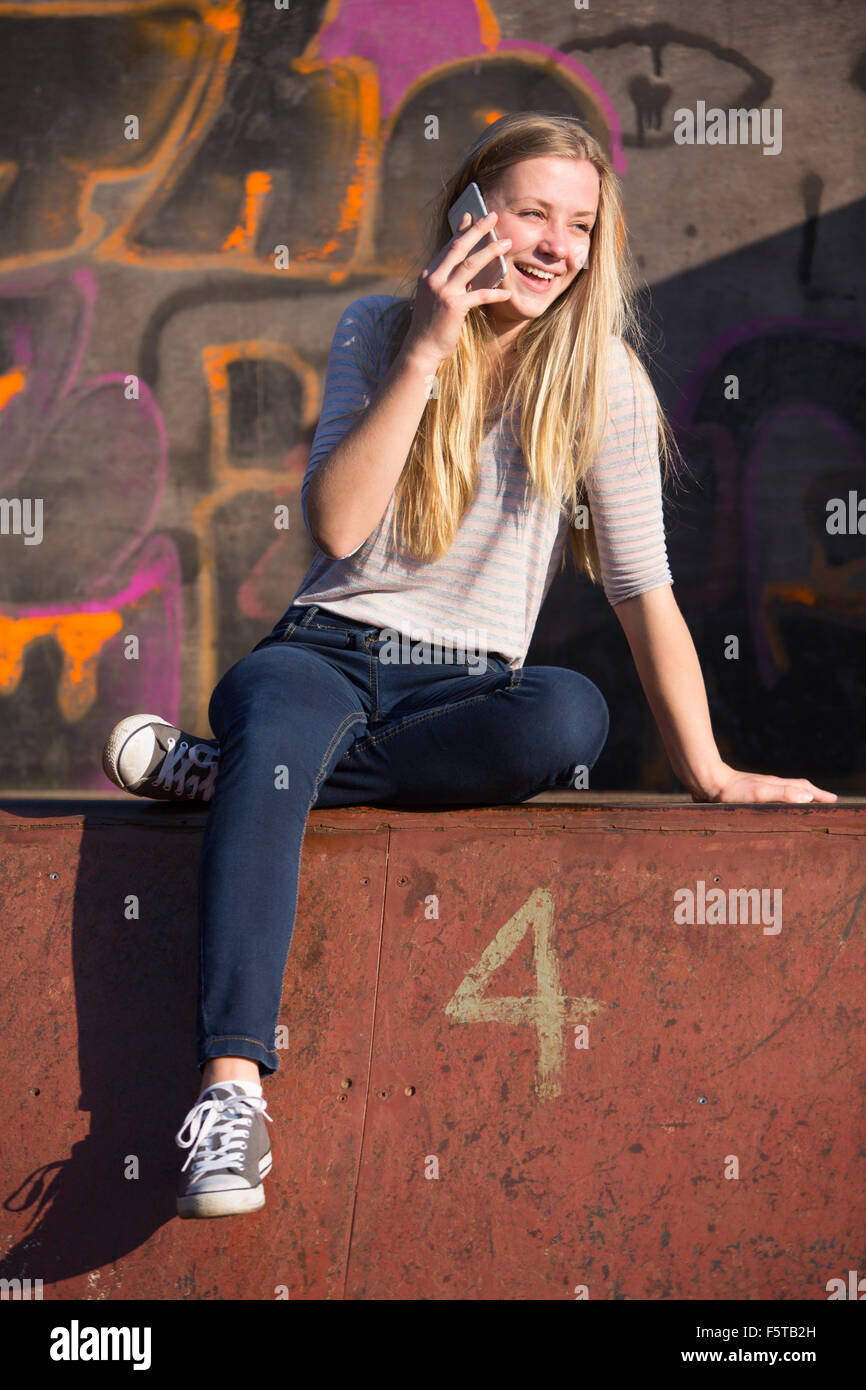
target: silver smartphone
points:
(471, 201)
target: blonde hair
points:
(561, 372)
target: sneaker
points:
(149, 757)
(230, 1153)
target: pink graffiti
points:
(423, 35)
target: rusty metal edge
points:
(669, 814)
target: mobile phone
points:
(471, 201)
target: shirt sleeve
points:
(624, 487)
(348, 388)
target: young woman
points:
(459, 431)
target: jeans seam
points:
(347, 723)
(419, 718)
(374, 680)
(235, 1037)
(211, 1038)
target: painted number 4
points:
(548, 1010)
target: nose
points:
(554, 243)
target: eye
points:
(535, 212)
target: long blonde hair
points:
(561, 372)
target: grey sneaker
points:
(230, 1153)
(149, 757)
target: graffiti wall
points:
(190, 195)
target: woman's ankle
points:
(218, 1069)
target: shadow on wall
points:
(748, 543)
(125, 1017)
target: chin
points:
(534, 311)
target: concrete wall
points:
(160, 376)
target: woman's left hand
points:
(758, 786)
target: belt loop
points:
(311, 613)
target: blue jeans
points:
(314, 715)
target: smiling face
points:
(548, 206)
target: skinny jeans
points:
(313, 716)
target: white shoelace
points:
(184, 759)
(208, 1119)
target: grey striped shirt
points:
(488, 589)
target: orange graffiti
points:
(488, 24)
(12, 384)
(281, 476)
(257, 186)
(80, 637)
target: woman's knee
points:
(250, 692)
(572, 718)
(597, 715)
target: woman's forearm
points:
(670, 673)
(350, 489)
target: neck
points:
(504, 362)
(506, 342)
(502, 366)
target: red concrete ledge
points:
(444, 963)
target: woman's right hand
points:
(442, 300)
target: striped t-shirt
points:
(486, 592)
